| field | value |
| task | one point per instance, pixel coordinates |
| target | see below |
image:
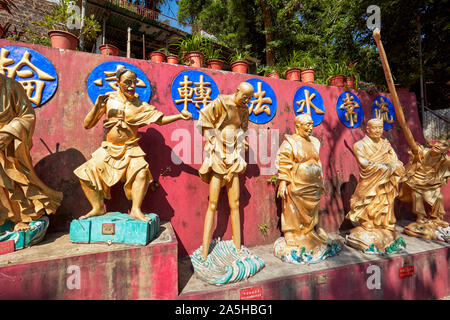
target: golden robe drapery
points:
(23, 196)
(111, 162)
(380, 172)
(224, 154)
(299, 165)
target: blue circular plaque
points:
(193, 90)
(33, 70)
(263, 104)
(383, 108)
(308, 100)
(349, 110)
(103, 79)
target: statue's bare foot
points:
(137, 213)
(92, 213)
(21, 226)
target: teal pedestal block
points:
(114, 227)
(26, 238)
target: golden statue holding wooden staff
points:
(428, 170)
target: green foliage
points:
(58, 16)
(209, 50)
(165, 51)
(337, 68)
(333, 32)
(239, 55)
(91, 28)
(263, 228)
(272, 179)
(191, 42)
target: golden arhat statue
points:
(224, 122)
(428, 170)
(301, 187)
(24, 198)
(372, 203)
(120, 158)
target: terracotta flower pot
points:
(275, 75)
(194, 59)
(63, 39)
(172, 59)
(157, 56)
(337, 81)
(308, 75)
(215, 64)
(350, 82)
(109, 50)
(293, 74)
(239, 66)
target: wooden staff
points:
(390, 82)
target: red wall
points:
(182, 197)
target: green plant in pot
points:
(56, 22)
(352, 76)
(337, 71)
(308, 66)
(292, 66)
(190, 47)
(159, 55)
(213, 55)
(238, 61)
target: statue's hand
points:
(186, 115)
(282, 190)
(101, 100)
(5, 139)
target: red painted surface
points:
(144, 272)
(430, 281)
(6, 247)
(254, 293)
(182, 197)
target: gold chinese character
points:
(259, 101)
(383, 112)
(185, 92)
(349, 105)
(112, 80)
(308, 103)
(30, 86)
(202, 92)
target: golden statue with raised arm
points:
(372, 203)
(428, 170)
(120, 158)
(301, 187)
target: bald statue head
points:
(243, 94)
(375, 128)
(303, 125)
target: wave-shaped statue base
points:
(25, 238)
(225, 264)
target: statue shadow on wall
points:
(159, 157)
(56, 171)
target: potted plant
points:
(190, 48)
(269, 71)
(172, 58)
(336, 70)
(351, 76)
(292, 66)
(213, 56)
(159, 55)
(309, 66)
(56, 24)
(238, 61)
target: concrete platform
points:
(59, 269)
(345, 276)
